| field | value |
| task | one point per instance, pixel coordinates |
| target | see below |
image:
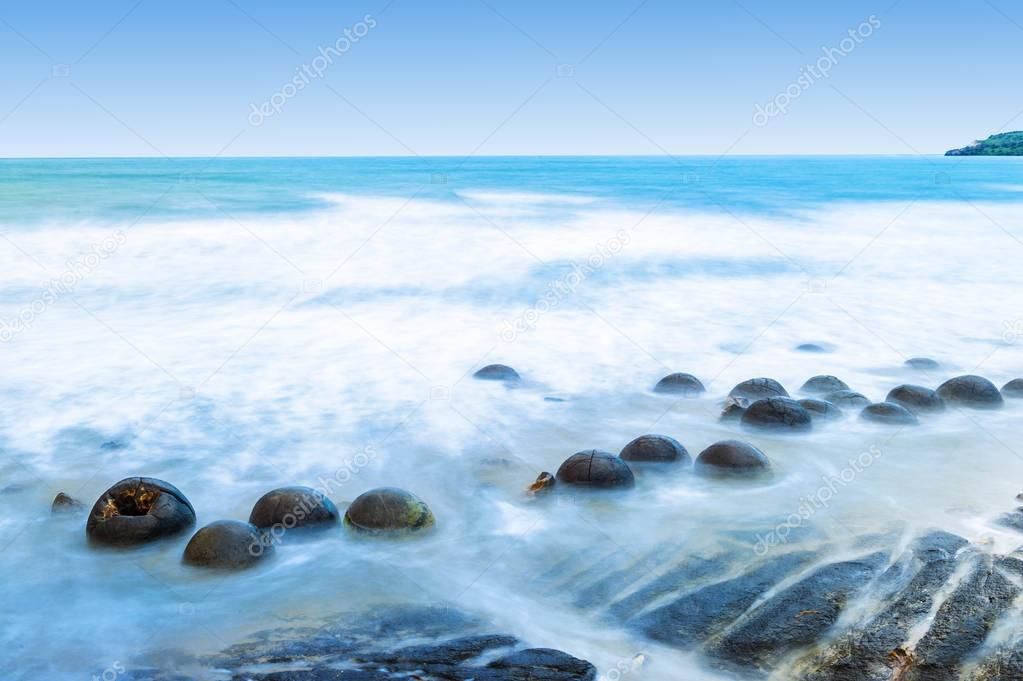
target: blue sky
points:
(494, 77)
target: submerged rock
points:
(811, 347)
(594, 468)
(294, 507)
(227, 545)
(847, 399)
(777, 413)
(756, 388)
(821, 409)
(62, 503)
(680, 384)
(971, 391)
(922, 363)
(1013, 389)
(388, 510)
(543, 483)
(655, 449)
(916, 398)
(732, 457)
(139, 510)
(888, 412)
(497, 372)
(823, 384)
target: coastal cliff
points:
(1002, 144)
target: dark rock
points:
(552, 398)
(889, 413)
(777, 413)
(62, 503)
(731, 457)
(594, 468)
(1013, 389)
(452, 651)
(916, 398)
(756, 388)
(544, 483)
(561, 665)
(1012, 520)
(865, 652)
(388, 510)
(971, 391)
(139, 510)
(847, 399)
(228, 545)
(680, 384)
(822, 385)
(821, 409)
(697, 615)
(797, 616)
(962, 623)
(922, 363)
(655, 449)
(682, 577)
(734, 408)
(294, 507)
(112, 445)
(811, 347)
(497, 372)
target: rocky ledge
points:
(393, 643)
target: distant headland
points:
(1002, 144)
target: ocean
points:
(236, 325)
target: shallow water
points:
(273, 322)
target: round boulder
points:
(821, 409)
(916, 398)
(731, 457)
(756, 388)
(889, 413)
(139, 510)
(847, 399)
(227, 545)
(655, 449)
(594, 468)
(388, 510)
(821, 385)
(1013, 389)
(680, 384)
(971, 391)
(497, 372)
(777, 413)
(924, 363)
(293, 507)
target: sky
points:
(505, 77)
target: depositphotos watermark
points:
(821, 498)
(561, 288)
(75, 270)
(811, 74)
(307, 73)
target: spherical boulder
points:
(596, 469)
(1013, 389)
(731, 457)
(916, 398)
(847, 399)
(925, 363)
(655, 449)
(975, 392)
(777, 413)
(388, 510)
(227, 545)
(821, 385)
(755, 388)
(139, 510)
(497, 372)
(888, 412)
(686, 385)
(294, 507)
(821, 409)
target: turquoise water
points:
(236, 325)
(33, 191)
